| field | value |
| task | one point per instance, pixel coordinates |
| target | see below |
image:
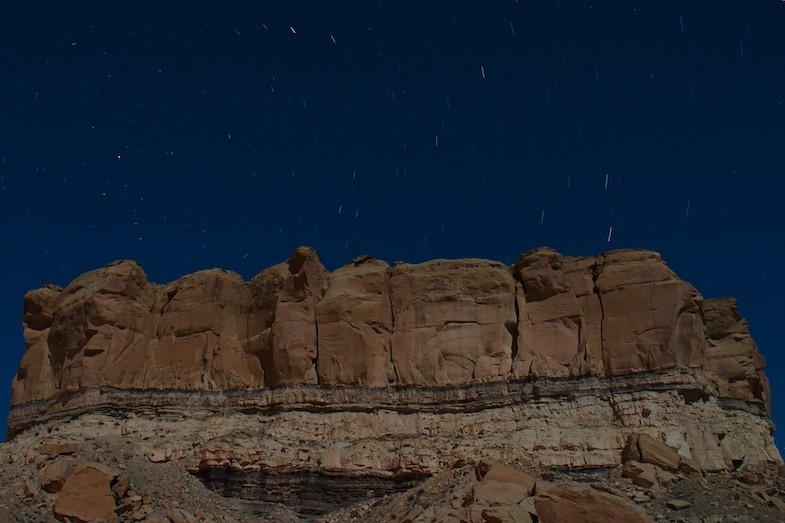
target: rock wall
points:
(559, 358)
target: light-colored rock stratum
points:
(380, 373)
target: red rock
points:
(93, 322)
(733, 362)
(550, 319)
(56, 473)
(57, 449)
(572, 503)
(121, 485)
(177, 515)
(282, 327)
(31, 488)
(689, 465)
(448, 348)
(201, 332)
(453, 321)
(642, 474)
(677, 504)
(507, 474)
(651, 318)
(493, 493)
(658, 453)
(665, 478)
(85, 497)
(511, 514)
(620, 313)
(441, 323)
(354, 320)
(36, 379)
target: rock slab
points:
(86, 497)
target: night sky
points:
(191, 135)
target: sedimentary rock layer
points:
(438, 323)
(379, 370)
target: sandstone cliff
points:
(434, 324)
(372, 371)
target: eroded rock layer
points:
(383, 371)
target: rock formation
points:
(434, 324)
(370, 376)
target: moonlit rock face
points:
(454, 322)
(438, 323)
(371, 370)
(733, 362)
(620, 313)
(355, 324)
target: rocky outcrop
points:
(454, 322)
(438, 323)
(372, 373)
(733, 363)
(621, 313)
(355, 324)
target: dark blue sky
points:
(190, 135)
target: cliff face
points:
(376, 370)
(439, 323)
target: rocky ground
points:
(65, 480)
(713, 498)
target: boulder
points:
(30, 488)
(85, 497)
(56, 473)
(120, 485)
(177, 515)
(642, 474)
(689, 465)
(665, 478)
(507, 474)
(677, 504)
(644, 448)
(510, 514)
(493, 493)
(576, 503)
(52, 450)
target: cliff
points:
(379, 373)
(435, 324)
